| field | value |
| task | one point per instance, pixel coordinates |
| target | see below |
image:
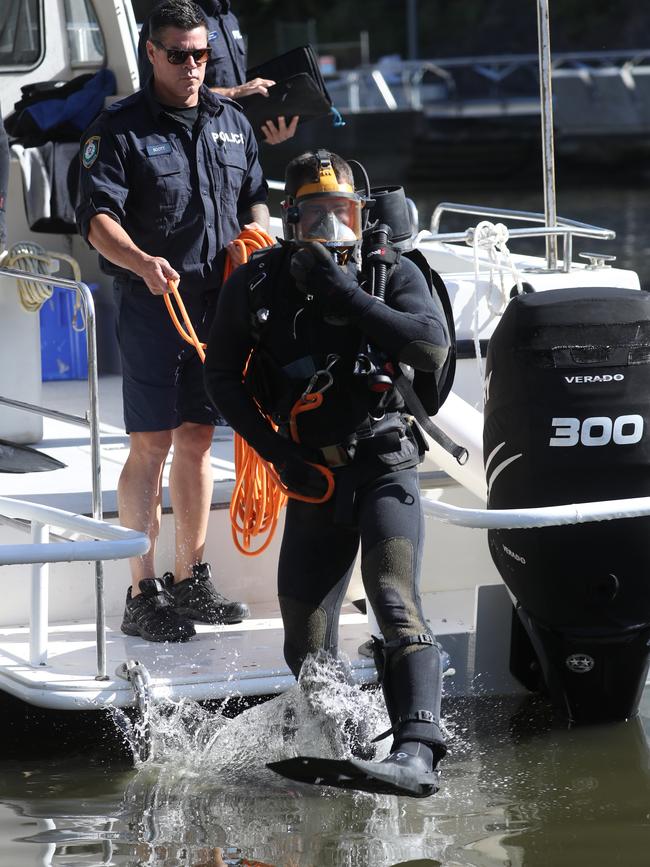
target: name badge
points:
(159, 149)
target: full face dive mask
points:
(325, 211)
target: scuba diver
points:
(315, 330)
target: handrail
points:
(92, 421)
(495, 68)
(112, 542)
(564, 227)
(542, 516)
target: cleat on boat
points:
(399, 774)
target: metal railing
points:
(564, 229)
(109, 542)
(416, 84)
(90, 421)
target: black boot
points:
(412, 684)
(197, 599)
(410, 672)
(152, 616)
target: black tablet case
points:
(299, 88)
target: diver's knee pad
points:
(388, 570)
(305, 631)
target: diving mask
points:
(333, 220)
(324, 210)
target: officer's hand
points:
(156, 273)
(255, 85)
(302, 478)
(237, 253)
(276, 134)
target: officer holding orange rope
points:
(320, 352)
(168, 177)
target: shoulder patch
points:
(90, 151)
(231, 102)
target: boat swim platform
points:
(218, 662)
(244, 659)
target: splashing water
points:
(324, 714)
(206, 783)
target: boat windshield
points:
(84, 35)
(21, 36)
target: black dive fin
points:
(15, 458)
(383, 778)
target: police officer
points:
(168, 175)
(305, 311)
(226, 69)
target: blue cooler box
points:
(64, 354)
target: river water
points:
(518, 788)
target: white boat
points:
(60, 641)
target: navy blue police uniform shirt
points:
(176, 192)
(227, 66)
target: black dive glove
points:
(302, 478)
(316, 273)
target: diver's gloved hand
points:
(302, 478)
(337, 290)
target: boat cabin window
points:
(85, 39)
(21, 36)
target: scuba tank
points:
(567, 418)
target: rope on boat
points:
(29, 257)
(492, 238)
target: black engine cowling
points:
(567, 420)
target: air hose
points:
(258, 496)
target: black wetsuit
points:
(377, 501)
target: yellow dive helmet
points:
(324, 210)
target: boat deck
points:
(243, 659)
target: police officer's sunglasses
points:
(178, 56)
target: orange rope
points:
(258, 496)
(191, 337)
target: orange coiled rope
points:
(258, 496)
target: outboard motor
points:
(567, 420)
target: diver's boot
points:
(410, 672)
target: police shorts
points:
(162, 375)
